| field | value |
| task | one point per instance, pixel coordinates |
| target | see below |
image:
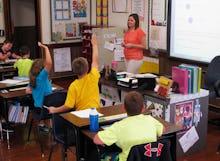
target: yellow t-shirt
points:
(84, 93)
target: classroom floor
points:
(21, 150)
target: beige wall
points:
(115, 19)
(2, 24)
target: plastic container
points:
(94, 120)
(114, 65)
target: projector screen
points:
(194, 29)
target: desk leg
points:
(173, 146)
(8, 139)
(1, 130)
(5, 102)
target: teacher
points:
(134, 43)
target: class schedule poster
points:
(67, 18)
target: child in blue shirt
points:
(39, 84)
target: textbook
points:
(196, 75)
(180, 76)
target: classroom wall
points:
(23, 12)
(2, 23)
(114, 19)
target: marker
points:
(45, 106)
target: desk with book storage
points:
(15, 93)
(174, 109)
(79, 123)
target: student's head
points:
(24, 51)
(80, 66)
(36, 67)
(133, 103)
(7, 45)
(133, 20)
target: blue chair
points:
(59, 130)
(57, 98)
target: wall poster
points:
(67, 18)
(102, 12)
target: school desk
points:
(80, 123)
(14, 94)
(170, 133)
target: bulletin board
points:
(67, 18)
(157, 28)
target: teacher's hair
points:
(136, 18)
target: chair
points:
(59, 130)
(155, 151)
(212, 83)
(56, 98)
(212, 78)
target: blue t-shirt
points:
(43, 87)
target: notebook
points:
(180, 76)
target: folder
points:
(180, 76)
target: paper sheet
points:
(189, 139)
(83, 113)
(11, 81)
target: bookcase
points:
(86, 41)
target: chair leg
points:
(64, 153)
(40, 142)
(1, 131)
(51, 151)
(29, 130)
(218, 149)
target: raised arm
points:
(48, 61)
(94, 52)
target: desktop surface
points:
(106, 111)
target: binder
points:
(195, 76)
(180, 76)
(191, 77)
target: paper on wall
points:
(109, 46)
(189, 139)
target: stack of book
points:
(17, 113)
(188, 78)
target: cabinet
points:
(86, 41)
(173, 109)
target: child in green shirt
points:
(24, 63)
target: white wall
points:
(114, 19)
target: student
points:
(6, 51)
(134, 43)
(39, 84)
(133, 130)
(83, 92)
(24, 64)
